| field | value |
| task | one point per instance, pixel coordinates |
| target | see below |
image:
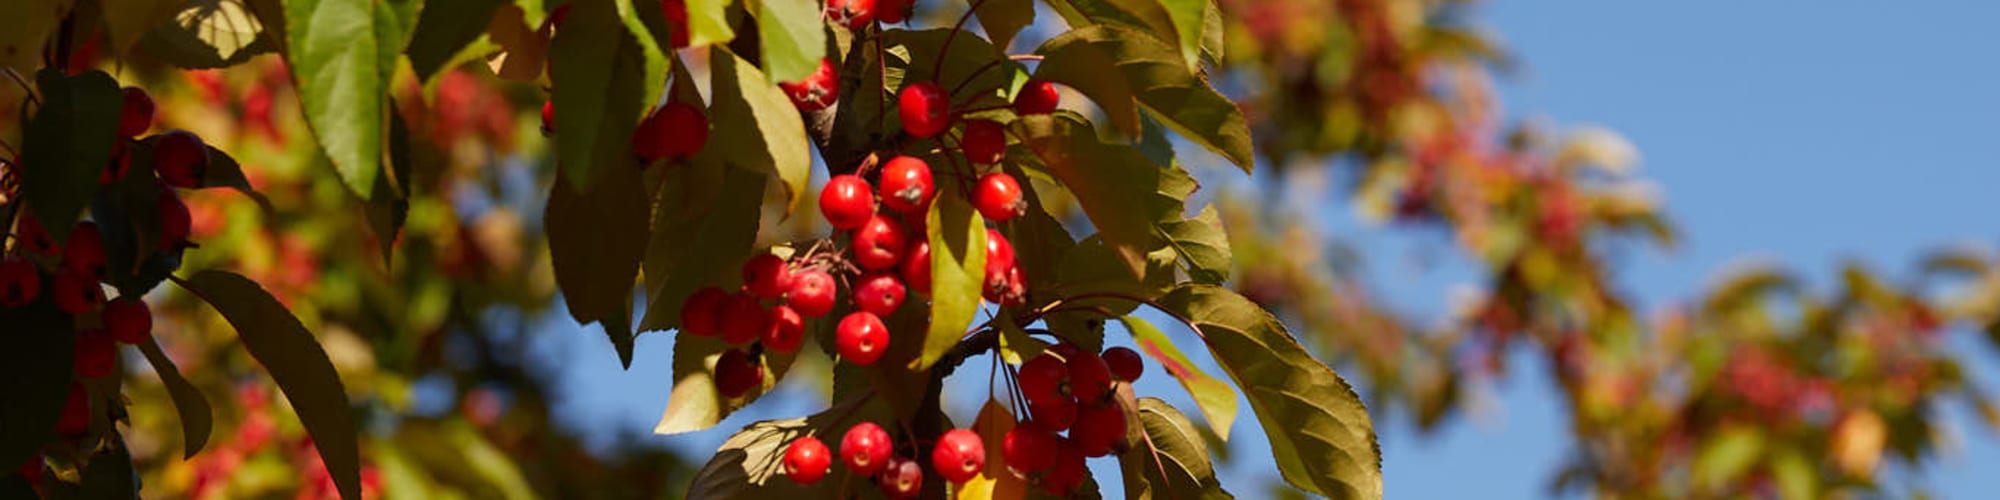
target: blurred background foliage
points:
(1761, 387)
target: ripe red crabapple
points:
(924, 108)
(1099, 429)
(855, 14)
(807, 460)
(34, 238)
(958, 455)
(181, 159)
(676, 131)
(892, 11)
(1028, 449)
(677, 16)
(95, 353)
(767, 276)
(548, 117)
(812, 293)
(76, 293)
(901, 479)
(137, 113)
(736, 373)
(743, 319)
(1055, 415)
(786, 330)
(1124, 363)
(20, 283)
(129, 320)
(701, 314)
(84, 253)
(865, 449)
(916, 267)
(985, 142)
(176, 223)
(879, 243)
(907, 186)
(860, 338)
(76, 412)
(1089, 378)
(846, 202)
(1038, 97)
(998, 197)
(1044, 379)
(1068, 471)
(880, 293)
(817, 91)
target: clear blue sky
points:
(1806, 133)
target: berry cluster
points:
(868, 451)
(70, 274)
(1068, 389)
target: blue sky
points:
(1804, 133)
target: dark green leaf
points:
(793, 38)
(1002, 19)
(444, 28)
(1156, 75)
(1203, 244)
(35, 374)
(1215, 399)
(755, 125)
(1320, 432)
(67, 144)
(704, 224)
(196, 417)
(596, 239)
(1123, 194)
(110, 474)
(1172, 458)
(342, 55)
(694, 403)
(598, 73)
(749, 465)
(958, 271)
(914, 55)
(296, 363)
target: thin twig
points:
(23, 82)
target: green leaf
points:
(1002, 19)
(654, 69)
(1145, 17)
(1156, 76)
(1203, 245)
(914, 55)
(342, 56)
(994, 480)
(67, 144)
(598, 73)
(1215, 399)
(1320, 432)
(747, 466)
(1726, 455)
(207, 34)
(444, 28)
(1189, 17)
(1173, 457)
(705, 222)
(1122, 193)
(756, 126)
(958, 270)
(694, 403)
(708, 22)
(35, 374)
(1212, 34)
(109, 473)
(296, 363)
(597, 238)
(793, 38)
(196, 416)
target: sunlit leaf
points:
(994, 481)
(1123, 194)
(694, 403)
(793, 38)
(958, 270)
(755, 125)
(1215, 399)
(1203, 244)
(342, 54)
(708, 22)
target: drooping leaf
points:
(342, 54)
(1203, 245)
(958, 270)
(750, 466)
(704, 223)
(298, 365)
(1212, 33)
(994, 481)
(197, 419)
(67, 144)
(1189, 18)
(1172, 458)
(444, 28)
(598, 74)
(792, 36)
(1320, 432)
(36, 357)
(756, 126)
(1215, 399)
(206, 34)
(708, 22)
(1002, 19)
(694, 403)
(597, 238)
(1123, 194)
(1148, 18)
(1155, 75)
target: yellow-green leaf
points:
(793, 38)
(958, 270)
(1215, 399)
(708, 22)
(342, 55)
(994, 481)
(694, 403)
(756, 126)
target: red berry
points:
(879, 293)
(137, 114)
(84, 253)
(675, 132)
(903, 478)
(548, 117)
(907, 186)
(1068, 471)
(95, 353)
(701, 314)
(1038, 97)
(77, 294)
(998, 197)
(959, 455)
(1028, 449)
(180, 158)
(1124, 363)
(129, 320)
(1043, 379)
(175, 221)
(736, 373)
(34, 238)
(121, 163)
(677, 15)
(1016, 290)
(985, 142)
(856, 14)
(558, 16)
(812, 293)
(817, 91)
(743, 319)
(861, 338)
(892, 11)
(865, 449)
(786, 331)
(76, 412)
(916, 267)
(767, 276)
(1089, 378)
(20, 283)
(1100, 429)
(1055, 414)
(846, 202)
(807, 460)
(999, 264)
(925, 109)
(879, 243)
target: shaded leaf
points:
(67, 144)
(1215, 399)
(958, 271)
(197, 419)
(36, 357)
(1172, 457)
(1320, 432)
(1002, 19)
(208, 34)
(109, 473)
(1203, 245)
(125, 21)
(755, 125)
(792, 37)
(296, 363)
(704, 224)
(1121, 192)
(1157, 77)
(597, 238)
(444, 28)
(598, 81)
(750, 464)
